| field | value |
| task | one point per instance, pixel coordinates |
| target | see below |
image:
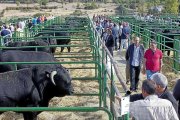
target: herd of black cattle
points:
(33, 85)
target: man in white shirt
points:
(152, 107)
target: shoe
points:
(135, 90)
(127, 82)
(132, 89)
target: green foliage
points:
(40, 14)
(142, 7)
(171, 6)
(77, 13)
(90, 6)
(78, 5)
(17, 2)
(44, 2)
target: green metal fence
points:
(96, 57)
(145, 32)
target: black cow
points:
(61, 81)
(33, 43)
(65, 41)
(176, 93)
(168, 42)
(31, 88)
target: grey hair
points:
(149, 86)
(160, 79)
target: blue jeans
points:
(149, 73)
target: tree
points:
(17, 2)
(27, 3)
(142, 7)
(42, 2)
(171, 6)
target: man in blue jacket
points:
(125, 36)
(134, 55)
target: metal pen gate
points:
(144, 30)
(96, 56)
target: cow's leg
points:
(30, 115)
(69, 49)
(62, 49)
(168, 52)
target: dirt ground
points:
(79, 85)
(64, 9)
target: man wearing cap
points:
(152, 62)
(161, 90)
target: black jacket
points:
(109, 41)
(130, 53)
(176, 93)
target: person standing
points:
(176, 94)
(120, 33)
(152, 62)
(104, 35)
(124, 36)
(134, 55)
(109, 41)
(152, 107)
(6, 34)
(115, 32)
(161, 90)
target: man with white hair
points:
(151, 107)
(161, 90)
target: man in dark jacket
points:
(161, 90)
(176, 93)
(134, 55)
(109, 41)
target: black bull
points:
(46, 85)
(33, 43)
(61, 33)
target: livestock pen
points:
(154, 30)
(95, 82)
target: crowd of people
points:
(137, 58)
(112, 33)
(155, 100)
(7, 30)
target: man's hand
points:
(143, 71)
(118, 98)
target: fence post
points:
(176, 55)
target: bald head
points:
(136, 40)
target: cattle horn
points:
(53, 73)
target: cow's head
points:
(61, 80)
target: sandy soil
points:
(80, 86)
(64, 9)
